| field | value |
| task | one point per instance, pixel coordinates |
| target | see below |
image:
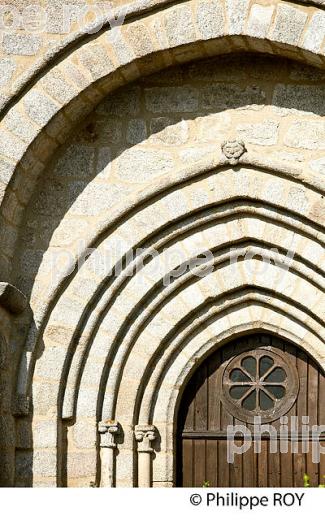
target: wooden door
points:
(261, 376)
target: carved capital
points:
(145, 435)
(233, 150)
(108, 430)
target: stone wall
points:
(200, 131)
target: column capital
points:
(145, 434)
(108, 431)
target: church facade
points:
(161, 240)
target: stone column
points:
(145, 435)
(108, 431)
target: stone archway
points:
(111, 349)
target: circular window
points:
(259, 382)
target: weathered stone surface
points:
(179, 25)
(192, 158)
(237, 11)
(21, 44)
(82, 464)
(104, 195)
(11, 146)
(45, 434)
(6, 170)
(306, 134)
(289, 24)
(96, 60)
(223, 96)
(318, 165)
(136, 131)
(172, 99)
(163, 131)
(259, 20)
(7, 67)
(210, 18)
(57, 86)
(315, 33)
(126, 102)
(265, 133)
(300, 97)
(142, 165)
(44, 463)
(138, 38)
(78, 161)
(39, 107)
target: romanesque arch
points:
(103, 225)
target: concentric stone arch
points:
(48, 108)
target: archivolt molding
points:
(170, 393)
(184, 304)
(127, 323)
(139, 233)
(206, 327)
(181, 359)
(141, 8)
(71, 89)
(151, 299)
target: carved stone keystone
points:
(233, 150)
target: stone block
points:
(138, 37)
(318, 165)
(136, 131)
(24, 436)
(6, 171)
(77, 161)
(289, 24)
(259, 20)
(24, 466)
(306, 134)
(20, 125)
(21, 44)
(44, 398)
(96, 60)
(55, 84)
(82, 464)
(140, 165)
(39, 107)
(179, 25)
(44, 463)
(105, 195)
(11, 146)
(7, 67)
(84, 434)
(264, 134)
(210, 18)
(171, 99)
(224, 96)
(166, 133)
(315, 34)
(124, 103)
(305, 98)
(44, 434)
(237, 11)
